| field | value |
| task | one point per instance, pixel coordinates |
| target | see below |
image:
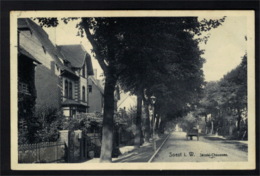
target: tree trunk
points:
(206, 124)
(161, 124)
(157, 124)
(238, 120)
(156, 118)
(108, 120)
(138, 121)
(212, 127)
(147, 122)
(230, 128)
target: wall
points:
(47, 88)
(46, 73)
(95, 99)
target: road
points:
(178, 149)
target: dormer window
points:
(44, 50)
(66, 63)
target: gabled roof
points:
(43, 38)
(126, 99)
(24, 52)
(97, 84)
(77, 56)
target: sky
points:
(223, 51)
(225, 48)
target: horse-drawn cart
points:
(193, 132)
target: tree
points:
(226, 98)
(166, 55)
(233, 87)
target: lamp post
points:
(153, 100)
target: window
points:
(70, 90)
(83, 94)
(66, 89)
(89, 88)
(72, 112)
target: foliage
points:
(226, 100)
(128, 118)
(189, 121)
(50, 122)
(82, 122)
(43, 126)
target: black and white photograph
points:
(132, 90)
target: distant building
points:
(126, 101)
(95, 95)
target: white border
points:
(250, 164)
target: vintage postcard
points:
(133, 90)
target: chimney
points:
(95, 74)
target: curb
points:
(151, 159)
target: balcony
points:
(23, 88)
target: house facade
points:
(74, 94)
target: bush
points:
(43, 126)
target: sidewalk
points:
(143, 154)
(129, 154)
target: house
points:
(60, 78)
(74, 94)
(96, 95)
(26, 83)
(34, 42)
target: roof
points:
(69, 102)
(24, 52)
(126, 100)
(44, 40)
(97, 83)
(77, 56)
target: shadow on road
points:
(237, 144)
(214, 138)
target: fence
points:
(45, 152)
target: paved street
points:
(209, 148)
